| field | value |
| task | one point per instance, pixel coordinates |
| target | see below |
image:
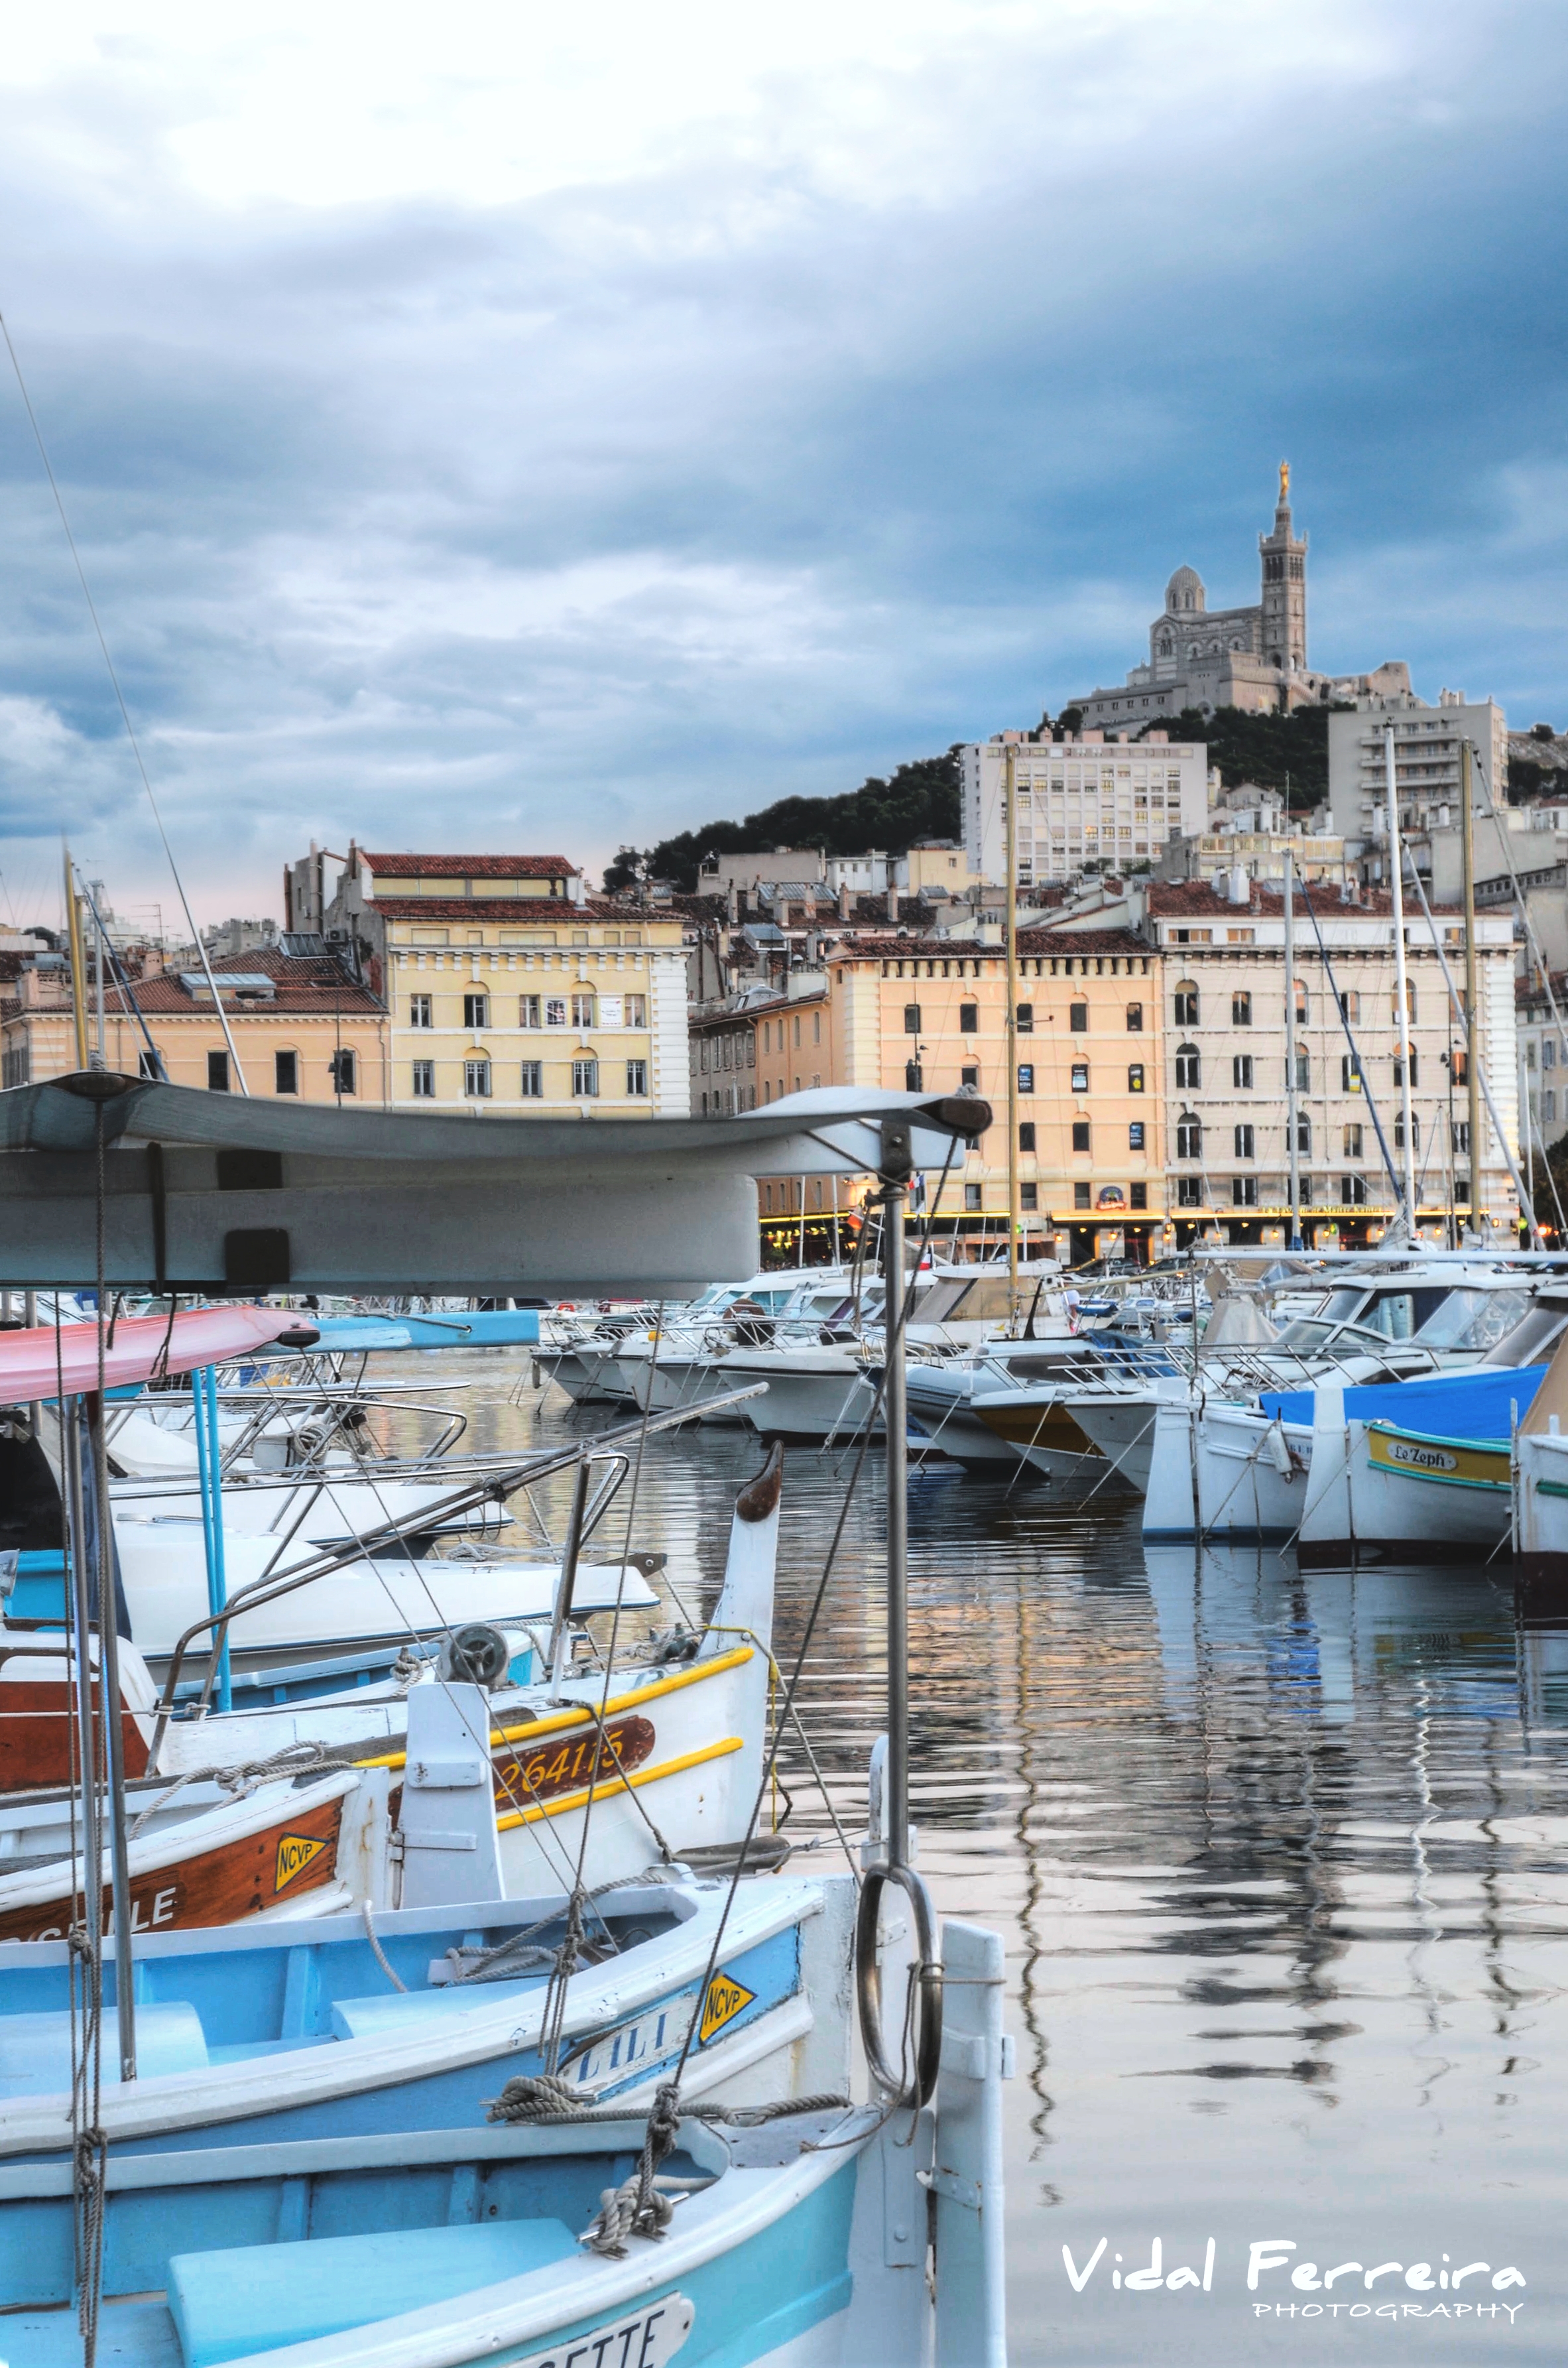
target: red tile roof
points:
(549, 912)
(1172, 898)
(470, 867)
(315, 984)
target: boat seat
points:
(393, 2012)
(35, 2049)
(258, 2297)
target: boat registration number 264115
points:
(646, 2340)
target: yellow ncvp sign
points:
(725, 1999)
(1450, 1463)
(295, 1852)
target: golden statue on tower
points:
(1284, 482)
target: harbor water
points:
(1278, 1859)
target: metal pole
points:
(81, 1612)
(78, 969)
(209, 1472)
(1009, 825)
(559, 1624)
(1400, 987)
(100, 947)
(1290, 1050)
(895, 1178)
(114, 1739)
(1471, 992)
(1529, 1125)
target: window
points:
(1304, 1073)
(1352, 1191)
(1244, 1192)
(914, 1077)
(1026, 1076)
(1414, 1068)
(1350, 1006)
(1135, 1077)
(476, 1011)
(1187, 1006)
(969, 1075)
(1241, 1011)
(1187, 1066)
(767, 1047)
(1189, 1192)
(1080, 1077)
(1029, 1196)
(421, 1012)
(555, 1011)
(582, 1011)
(637, 1079)
(1026, 1135)
(1301, 1005)
(424, 1081)
(1399, 1131)
(1078, 1018)
(216, 1072)
(476, 1080)
(1549, 1105)
(342, 1068)
(528, 1012)
(1138, 1196)
(797, 1035)
(1409, 1002)
(1244, 1143)
(1350, 1074)
(286, 1073)
(911, 1020)
(1461, 1134)
(634, 1009)
(1135, 1135)
(969, 1019)
(1241, 1072)
(1548, 1053)
(971, 1196)
(585, 1078)
(1304, 1135)
(1190, 1137)
(1529, 1050)
(530, 1081)
(146, 1066)
(1080, 1134)
(1081, 1196)
(1026, 1018)
(1353, 1142)
(1135, 1019)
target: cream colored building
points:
(509, 989)
(1082, 803)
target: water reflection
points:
(1280, 1862)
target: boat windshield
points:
(1475, 1320)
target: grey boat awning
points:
(212, 1192)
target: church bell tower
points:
(1284, 557)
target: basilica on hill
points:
(1253, 658)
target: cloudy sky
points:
(516, 427)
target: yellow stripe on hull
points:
(1440, 1462)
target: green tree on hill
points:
(918, 801)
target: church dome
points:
(1185, 593)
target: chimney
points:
(1240, 890)
(892, 907)
(844, 900)
(734, 906)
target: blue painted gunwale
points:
(279, 1995)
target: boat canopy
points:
(1478, 1404)
(208, 1192)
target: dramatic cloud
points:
(503, 426)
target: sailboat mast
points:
(896, 1168)
(1401, 985)
(1471, 990)
(1291, 1128)
(1010, 824)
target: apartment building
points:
(1223, 1020)
(1081, 803)
(1427, 741)
(509, 989)
(294, 1024)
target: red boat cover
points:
(32, 1362)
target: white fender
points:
(747, 1601)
